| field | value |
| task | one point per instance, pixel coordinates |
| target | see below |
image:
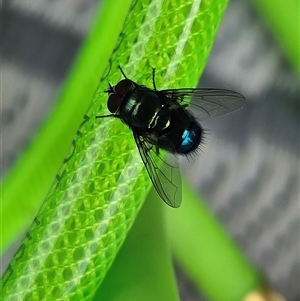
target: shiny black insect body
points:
(161, 119)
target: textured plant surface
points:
(102, 183)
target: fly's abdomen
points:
(182, 136)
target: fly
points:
(162, 119)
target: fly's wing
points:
(163, 171)
(207, 102)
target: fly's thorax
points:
(143, 109)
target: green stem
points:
(143, 268)
(27, 183)
(102, 184)
(282, 17)
(207, 254)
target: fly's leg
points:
(153, 79)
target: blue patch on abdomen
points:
(190, 140)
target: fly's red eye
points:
(124, 86)
(113, 103)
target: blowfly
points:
(163, 119)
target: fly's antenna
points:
(153, 79)
(110, 89)
(122, 71)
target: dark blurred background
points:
(248, 171)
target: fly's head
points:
(117, 93)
